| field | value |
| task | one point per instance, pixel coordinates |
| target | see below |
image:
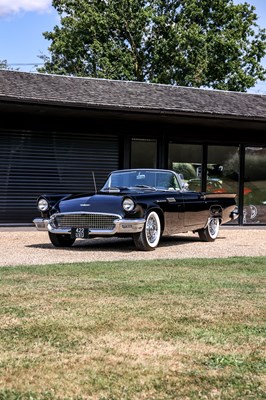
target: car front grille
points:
(103, 222)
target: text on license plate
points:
(79, 233)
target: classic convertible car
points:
(141, 203)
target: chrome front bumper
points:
(120, 226)
(41, 224)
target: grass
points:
(168, 329)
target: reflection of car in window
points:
(212, 185)
(215, 186)
(140, 203)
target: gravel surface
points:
(27, 246)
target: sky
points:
(22, 23)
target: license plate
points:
(79, 233)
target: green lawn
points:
(166, 329)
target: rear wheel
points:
(148, 239)
(61, 240)
(210, 233)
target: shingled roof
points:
(34, 88)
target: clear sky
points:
(22, 23)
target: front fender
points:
(52, 199)
(159, 211)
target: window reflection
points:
(186, 160)
(255, 186)
(222, 169)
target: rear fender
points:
(216, 211)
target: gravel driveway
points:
(27, 246)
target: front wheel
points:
(210, 233)
(149, 237)
(61, 240)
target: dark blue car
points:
(141, 203)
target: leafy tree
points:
(4, 64)
(206, 43)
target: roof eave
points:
(127, 109)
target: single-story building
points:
(57, 132)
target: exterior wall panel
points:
(33, 163)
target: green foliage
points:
(186, 169)
(208, 43)
(255, 166)
(4, 65)
(231, 167)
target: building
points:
(58, 133)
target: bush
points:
(186, 169)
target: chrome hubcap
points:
(151, 230)
(213, 227)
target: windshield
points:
(159, 180)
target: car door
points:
(172, 205)
(196, 209)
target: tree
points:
(4, 65)
(206, 43)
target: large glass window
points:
(186, 160)
(222, 169)
(143, 153)
(254, 195)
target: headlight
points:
(128, 204)
(43, 205)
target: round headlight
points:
(128, 204)
(43, 205)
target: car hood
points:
(106, 203)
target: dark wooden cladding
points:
(33, 163)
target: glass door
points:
(254, 191)
(223, 171)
